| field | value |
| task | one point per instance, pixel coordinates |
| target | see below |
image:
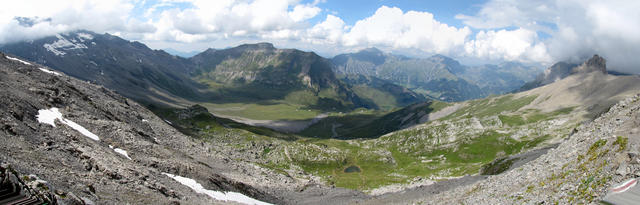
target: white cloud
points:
(392, 28)
(229, 18)
(577, 28)
(303, 12)
(100, 16)
(513, 45)
(330, 31)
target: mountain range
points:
(131, 68)
(438, 77)
(261, 72)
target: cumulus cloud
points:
(208, 20)
(419, 31)
(161, 21)
(303, 12)
(513, 45)
(100, 16)
(577, 29)
(392, 28)
(329, 31)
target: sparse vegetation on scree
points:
(453, 146)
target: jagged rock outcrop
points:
(595, 63)
(561, 70)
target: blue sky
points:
(479, 31)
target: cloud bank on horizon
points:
(542, 31)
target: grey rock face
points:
(561, 70)
(595, 63)
(130, 68)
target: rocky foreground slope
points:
(99, 147)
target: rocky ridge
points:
(580, 170)
(562, 70)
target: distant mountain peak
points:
(595, 63)
(441, 56)
(67, 42)
(372, 50)
(451, 64)
(261, 46)
(561, 70)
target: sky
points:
(480, 31)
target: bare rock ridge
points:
(595, 63)
(562, 70)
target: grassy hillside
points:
(263, 74)
(452, 146)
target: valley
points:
(423, 154)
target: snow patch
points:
(122, 152)
(49, 116)
(168, 122)
(15, 59)
(80, 129)
(84, 36)
(217, 195)
(50, 72)
(63, 44)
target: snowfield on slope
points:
(217, 195)
(50, 72)
(21, 61)
(49, 116)
(121, 152)
(64, 44)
